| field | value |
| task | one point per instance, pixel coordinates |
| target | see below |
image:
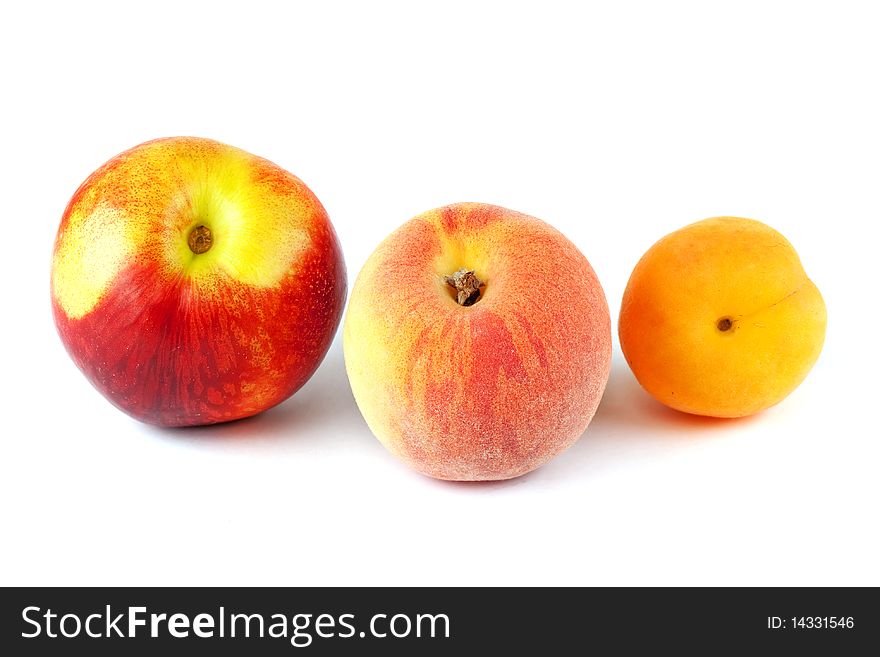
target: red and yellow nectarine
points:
(195, 283)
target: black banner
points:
(330, 621)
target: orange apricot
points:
(720, 319)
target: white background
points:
(615, 122)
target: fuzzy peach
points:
(720, 319)
(477, 342)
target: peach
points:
(477, 342)
(720, 319)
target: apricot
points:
(720, 319)
(477, 342)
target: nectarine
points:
(195, 283)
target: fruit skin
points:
(722, 273)
(176, 338)
(487, 391)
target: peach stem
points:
(467, 285)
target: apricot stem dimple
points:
(200, 239)
(725, 324)
(467, 286)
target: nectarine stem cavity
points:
(725, 324)
(467, 286)
(200, 239)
